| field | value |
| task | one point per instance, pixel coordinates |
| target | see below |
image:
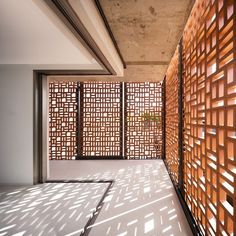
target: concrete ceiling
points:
(147, 31)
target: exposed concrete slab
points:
(147, 30)
(144, 73)
(147, 33)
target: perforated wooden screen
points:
(172, 118)
(101, 114)
(143, 123)
(210, 112)
(62, 120)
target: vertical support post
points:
(125, 118)
(45, 128)
(79, 119)
(164, 119)
(121, 121)
(180, 110)
(37, 162)
(40, 148)
(234, 56)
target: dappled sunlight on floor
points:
(141, 202)
(48, 209)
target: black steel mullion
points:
(180, 110)
(80, 119)
(164, 119)
(81, 116)
(121, 119)
(125, 120)
(38, 128)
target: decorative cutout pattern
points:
(101, 119)
(210, 111)
(143, 132)
(172, 118)
(62, 120)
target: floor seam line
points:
(100, 204)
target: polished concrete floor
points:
(141, 202)
(51, 209)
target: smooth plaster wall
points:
(16, 125)
(16, 121)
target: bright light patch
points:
(57, 196)
(19, 234)
(7, 227)
(132, 222)
(166, 229)
(163, 208)
(146, 190)
(122, 234)
(108, 198)
(149, 226)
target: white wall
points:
(33, 37)
(16, 125)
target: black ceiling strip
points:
(73, 72)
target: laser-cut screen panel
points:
(62, 120)
(210, 111)
(101, 119)
(143, 125)
(172, 118)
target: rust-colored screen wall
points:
(210, 111)
(89, 120)
(143, 124)
(63, 120)
(172, 118)
(101, 119)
